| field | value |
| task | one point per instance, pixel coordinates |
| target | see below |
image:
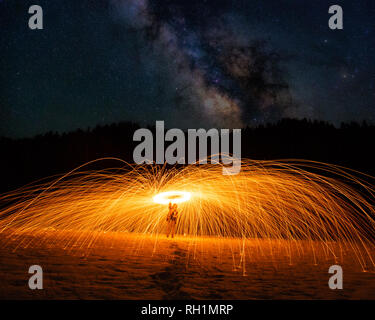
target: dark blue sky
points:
(190, 63)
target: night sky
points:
(192, 63)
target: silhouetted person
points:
(172, 219)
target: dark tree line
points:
(26, 160)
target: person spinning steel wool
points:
(172, 219)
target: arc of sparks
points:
(283, 200)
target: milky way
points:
(190, 63)
(224, 78)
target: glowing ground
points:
(126, 266)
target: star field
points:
(190, 63)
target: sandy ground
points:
(125, 266)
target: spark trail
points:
(280, 200)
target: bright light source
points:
(172, 196)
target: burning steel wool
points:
(278, 200)
(172, 197)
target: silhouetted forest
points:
(25, 160)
